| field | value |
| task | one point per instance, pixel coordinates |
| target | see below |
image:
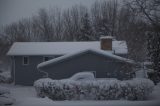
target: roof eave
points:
(59, 59)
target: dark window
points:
(25, 60)
(46, 58)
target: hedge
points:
(135, 89)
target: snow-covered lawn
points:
(26, 96)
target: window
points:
(46, 58)
(25, 60)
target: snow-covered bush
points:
(42, 85)
(108, 90)
(136, 89)
(4, 90)
(5, 77)
(5, 98)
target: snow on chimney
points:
(106, 42)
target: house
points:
(34, 60)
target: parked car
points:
(82, 76)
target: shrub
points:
(5, 98)
(5, 77)
(136, 89)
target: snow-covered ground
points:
(26, 96)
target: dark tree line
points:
(79, 23)
(149, 10)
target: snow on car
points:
(83, 76)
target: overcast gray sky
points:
(13, 10)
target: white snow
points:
(5, 76)
(6, 101)
(61, 48)
(26, 96)
(83, 76)
(136, 89)
(5, 98)
(106, 37)
(100, 52)
(4, 90)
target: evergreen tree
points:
(154, 53)
(86, 29)
(104, 28)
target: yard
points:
(26, 96)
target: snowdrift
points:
(5, 98)
(135, 89)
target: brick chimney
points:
(106, 42)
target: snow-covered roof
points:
(106, 37)
(99, 52)
(61, 48)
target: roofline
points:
(52, 54)
(33, 54)
(14, 54)
(100, 52)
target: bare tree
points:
(72, 21)
(44, 24)
(150, 10)
(57, 24)
(104, 16)
(67, 21)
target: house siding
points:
(27, 74)
(104, 67)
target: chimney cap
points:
(106, 37)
